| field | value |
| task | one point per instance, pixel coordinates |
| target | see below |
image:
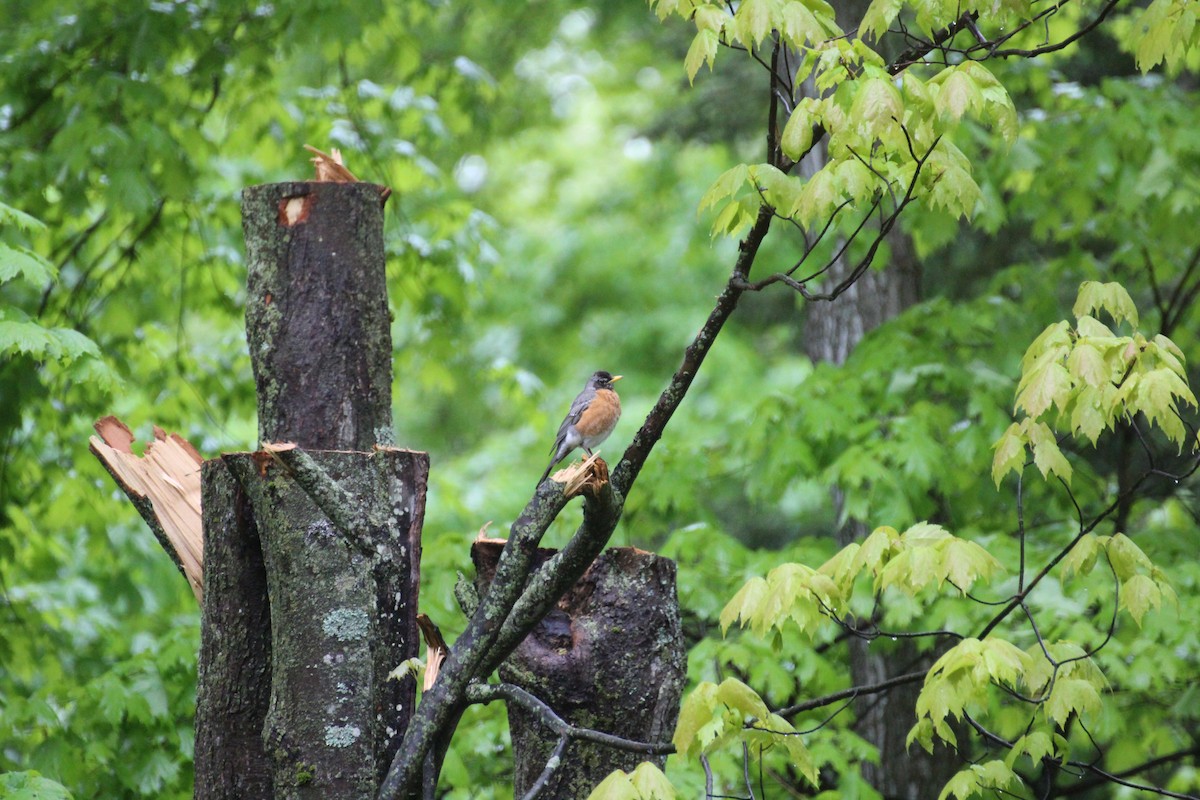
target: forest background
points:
(546, 168)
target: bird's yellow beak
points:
(616, 378)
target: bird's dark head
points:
(603, 380)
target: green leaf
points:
(745, 604)
(1109, 297)
(754, 20)
(735, 217)
(1047, 384)
(650, 783)
(1071, 696)
(879, 16)
(877, 105)
(18, 262)
(1082, 557)
(737, 695)
(957, 95)
(875, 548)
(1086, 363)
(964, 562)
(1052, 343)
(1138, 595)
(711, 18)
(947, 179)
(28, 338)
(921, 733)
(1037, 745)
(778, 190)
(799, 24)
(729, 182)
(1127, 558)
(963, 785)
(1168, 33)
(616, 786)
(1010, 453)
(702, 51)
(1047, 456)
(798, 133)
(31, 786)
(14, 216)
(694, 714)
(977, 778)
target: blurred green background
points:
(546, 160)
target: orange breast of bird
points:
(600, 415)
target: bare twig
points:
(487, 692)
(552, 765)
(856, 691)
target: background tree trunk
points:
(311, 558)
(832, 330)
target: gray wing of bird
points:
(581, 402)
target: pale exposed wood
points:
(435, 650)
(329, 166)
(164, 484)
(588, 475)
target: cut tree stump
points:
(312, 549)
(609, 657)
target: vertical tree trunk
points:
(832, 330)
(609, 657)
(317, 314)
(311, 558)
(234, 680)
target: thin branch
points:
(552, 765)
(917, 53)
(488, 692)
(746, 770)
(1086, 786)
(1037, 51)
(1104, 775)
(856, 691)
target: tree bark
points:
(311, 557)
(317, 314)
(234, 680)
(608, 657)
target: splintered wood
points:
(164, 485)
(329, 166)
(588, 475)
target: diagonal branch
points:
(652, 429)
(440, 707)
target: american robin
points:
(591, 419)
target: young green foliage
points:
(880, 128)
(646, 782)
(714, 715)
(31, 786)
(23, 270)
(1141, 585)
(1095, 380)
(978, 779)
(924, 556)
(1165, 32)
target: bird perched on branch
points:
(591, 419)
